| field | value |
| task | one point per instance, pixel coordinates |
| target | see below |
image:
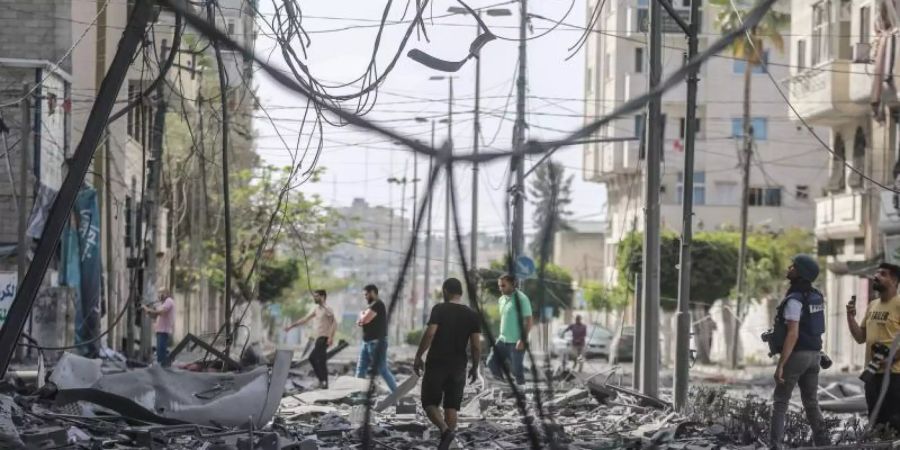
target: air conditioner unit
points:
(861, 51)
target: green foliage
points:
(714, 269)
(558, 282)
(414, 336)
(600, 297)
(766, 32)
(276, 276)
(551, 193)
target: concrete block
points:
(309, 444)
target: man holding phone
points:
(880, 325)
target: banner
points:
(8, 283)
(87, 321)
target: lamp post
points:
(427, 280)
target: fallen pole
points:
(78, 167)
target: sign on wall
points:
(8, 283)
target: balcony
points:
(839, 216)
(821, 94)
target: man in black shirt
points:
(451, 327)
(373, 321)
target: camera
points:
(775, 341)
(824, 361)
(879, 354)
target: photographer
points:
(797, 337)
(880, 326)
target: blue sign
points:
(524, 267)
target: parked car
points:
(597, 342)
(622, 348)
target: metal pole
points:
(650, 335)
(427, 282)
(683, 332)
(151, 214)
(78, 167)
(27, 152)
(226, 196)
(517, 163)
(402, 242)
(447, 191)
(638, 327)
(473, 244)
(415, 264)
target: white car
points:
(597, 342)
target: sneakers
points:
(323, 385)
(446, 439)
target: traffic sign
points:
(524, 267)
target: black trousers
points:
(889, 414)
(319, 360)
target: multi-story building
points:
(788, 167)
(838, 54)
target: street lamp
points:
(427, 280)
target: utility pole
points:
(650, 310)
(415, 245)
(473, 244)
(449, 184)
(517, 164)
(683, 331)
(151, 213)
(638, 313)
(742, 250)
(226, 196)
(27, 152)
(78, 167)
(426, 290)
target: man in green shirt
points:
(515, 323)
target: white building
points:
(835, 45)
(789, 168)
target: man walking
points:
(881, 326)
(451, 327)
(373, 354)
(164, 325)
(324, 328)
(797, 337)
(515, 323)
(576, 352)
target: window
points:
(129, 222)
(699, 188)
(836, 181)
(726, 193)
(865, 21)
(859, 246)
(801, 55)
(638, 59)
(802, 192)
(589, 81)
(739, 64)
(859, 159)
(821, 32)
(163, 50)
(639, 125)
(838, 246)
(686, 3)
(682, 127)
(765, 196)
(230, 27)
(759, 125)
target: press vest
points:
(812, 320)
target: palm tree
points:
(750, 47)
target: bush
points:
(413, 337)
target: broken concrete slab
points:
(564, 399)
(9, 414)
(408, 385)
(855, 404)
(338, 389)
(214, 399)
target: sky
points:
(357, 164)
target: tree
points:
(601, 297)
(750, 47)
(547, 176)
(558, 281)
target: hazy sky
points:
(358, 164)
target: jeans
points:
(318, 359)
(162, 348)
(889, 414)
(376, 348)
(502, 354)
(801, 369)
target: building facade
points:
(840, 51)
(788, 170)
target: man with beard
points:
(323, 328)
(797, 337)
(880, 326)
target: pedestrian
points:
(515, 323)
(880, 327)
(452, 327)
(373, 354)
(797, 337)
(324, 328)
(576, 351)
(164, 325)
